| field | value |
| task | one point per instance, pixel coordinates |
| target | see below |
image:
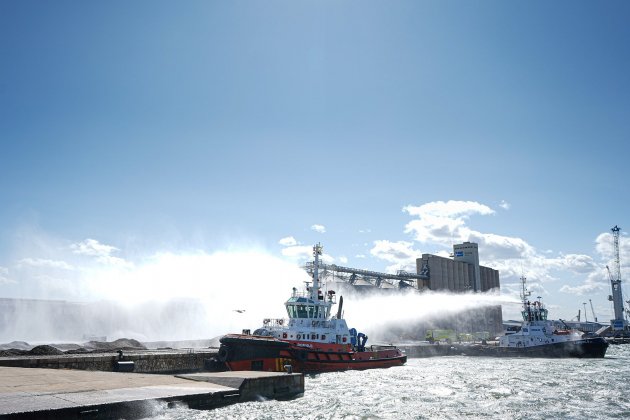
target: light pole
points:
(585, 316)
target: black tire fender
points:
(224, 353)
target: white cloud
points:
(577, 263)
(504, 205)
(443, 222)
(102, 252)
(93, 248)
(501, 247)
(451, 208)
(298, 252)
(400, 253)
(288, 241)
(581, 290)
(343, 260)
(319, 228)
(4, 276)
(41, 262)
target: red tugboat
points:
(310, 341)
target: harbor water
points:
(453, 387)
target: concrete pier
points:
(59, 394)
(253, 385)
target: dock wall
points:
(146, 362)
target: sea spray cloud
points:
(377, 311)
(165, 296)
(4, 275)
(236, 289)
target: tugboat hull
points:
(242, 352)
(585, 348)
(313, 340)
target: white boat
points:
(541, 337)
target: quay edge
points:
(54, 394)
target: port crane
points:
(619, 323)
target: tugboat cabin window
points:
(300, 307)
(300, 311)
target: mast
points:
(524, 293)
(527, 314)
(317, 251)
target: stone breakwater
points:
(120, 355)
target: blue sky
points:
(131, 130)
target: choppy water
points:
(454, 387)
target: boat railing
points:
(330, 296)
(275, 322)
(312, 323)
(377, 347)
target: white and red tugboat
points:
(312, 340)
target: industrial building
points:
(460, 274)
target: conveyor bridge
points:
(401, 279)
